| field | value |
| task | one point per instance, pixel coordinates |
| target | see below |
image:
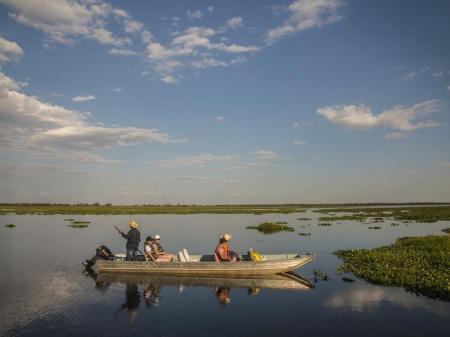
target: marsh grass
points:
(324, 224)
(69, 219)
(425, 214)
(419, 264)
(301, 219)
(395, 224)
(319, 274)
(271, 227)
(11, 225)
(446, 230)
(304, 234)
(80, 222)
(374, 227)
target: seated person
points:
(223, 252)
(155, 252)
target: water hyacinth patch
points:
(271, 227)
(418, 264)
(11, 225)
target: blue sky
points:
(224, 102)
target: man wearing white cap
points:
(223, 252)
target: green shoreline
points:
(68, 209)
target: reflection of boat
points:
(206, 265)
(285, 281)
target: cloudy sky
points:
(224, 101)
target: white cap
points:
(157, 237)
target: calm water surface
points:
(44, 292)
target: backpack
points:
(255, 255)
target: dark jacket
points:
(133, 238)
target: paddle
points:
(122, 233)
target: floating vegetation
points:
(374, 227)
(395, 224)
(425, 214)
(347, 279)
(304, 226)
(281, 222)
(324, 224)
(419, 264)
(80, 222)
(69, 219)
(304, 234)
(446, 230)
(301, 219)
(11, 225)
(78, 225)
(271, 227)
(354, 217)
(319, 274)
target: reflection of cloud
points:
(367, 299)
(56, 294)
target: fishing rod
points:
(122, 233)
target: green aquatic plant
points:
(395, 224)
(281, 222)
(304, 234)
(77, 225)
(271, 227)
(69, 219)
(354, 217)
(307, 219)
(80, 222)
(446, 230)
(11, 225)
(419, 264)
(319, 274)
(324, 224)
(374, 227)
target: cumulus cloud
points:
(249, 166)
(9, 50)
(83, 98)
(395, 135)
(30, 125)
(306, 14)
(196, 160)
(265, 155)
(220, 119)
(122, 52)
(299, 142)
(400, 118)
(193, 15)
(169, 79)
(235, 23)
(192, 47)
(64, 21)
(210, 9)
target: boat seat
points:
(183, 255)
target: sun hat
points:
(133, 224)
(157, 237)
(227, 237)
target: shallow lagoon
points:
(44, 291)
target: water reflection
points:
(153, 285)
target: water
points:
(43, 290)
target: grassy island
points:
(271, 227)
(419, 264)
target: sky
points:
(219, 102)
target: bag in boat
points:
(255, 255)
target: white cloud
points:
(438, 74)
(122, 52)
(169, 79)
(235, 23)
(239, 59)
(265, 155)
(28, 124)
(210, 9)
(83, 98)
(409, 76)
(448, 87)
(191, 47)
(220, 119)
(249, 166)
(395, 135)
(193, 15)
(196, 160)
(297, 125)
(63, 21)
(398, 117)
(117, 89)
(299, 142)
(132, 26)
(9, 50)
(208, 62)
(306, 14)
(146, 36)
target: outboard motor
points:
(101, 253)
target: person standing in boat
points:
(133, 238)
(223, 252)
